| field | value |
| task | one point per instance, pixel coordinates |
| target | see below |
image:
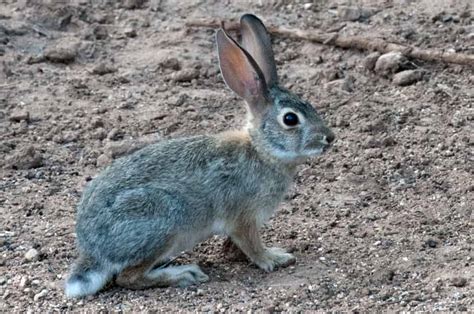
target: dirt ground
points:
(383, 221)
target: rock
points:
(23, 282)
(349, 13)
(199, 292)
(370, 60)
(100, 32)
(458, 119)
(390, 63)
(102, 69)
(130, 32)
(25, 158)
(170, 63)
(3, 280)
(184, 75)
(307, 6)
(32, 255)
(20, 115)
(103, 160)
(117, 149)
(431, 243)
(133, 4)
(407, 77)
(99, 134)
(40, 295)
(61, 53)
(114, 134)
(459, 282)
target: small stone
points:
(114, 134)
(20, 115)
(40, 295)
(184, 75)
(370, 61)
(353, 14)
(103, 160)
(23, 282)
(307, 6)
(102, 69)
(431, 243)
(61, 54)
(3, 280)
(459, 282)
(458, 120)
(199, 292)
(170, 63)
(407, 77)
(390, 63)
(100, 32)
(133, 4)
(25, 158)
(130, 32)
(32, 255)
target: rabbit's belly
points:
(188, 240)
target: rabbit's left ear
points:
(256, 41)
(241, 73)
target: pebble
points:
(3, 280)
(130, 32)
(20, 115)
(459, 282)
(352, 13)
(114, 134)
(103, 160)
(170, 63)
(40, 295)
(184, 75)
(407, 77)
(103, 68)
(431, 243)
(25, 158)
(390, 63)
(61, 54)
(32, 255)
(23, 282)
(132, 4)
(370, 61)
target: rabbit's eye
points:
(290, 119)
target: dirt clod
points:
(25, 158)
(32, 255)
(459, 282)
(407, 77)
(20, 115)
(390, 63)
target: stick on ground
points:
(357, 42)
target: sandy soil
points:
(383, 221)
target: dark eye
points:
(290, 119)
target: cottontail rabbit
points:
(167, 197)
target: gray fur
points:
(165, 198)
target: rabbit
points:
(165, 198)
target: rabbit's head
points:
(280, 123)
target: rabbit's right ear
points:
(241, 73)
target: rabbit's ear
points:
(241, 73)
(256, 40)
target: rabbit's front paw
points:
(275, 257)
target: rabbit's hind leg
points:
(145, 276)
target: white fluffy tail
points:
(85, 282)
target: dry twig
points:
(357, 42)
